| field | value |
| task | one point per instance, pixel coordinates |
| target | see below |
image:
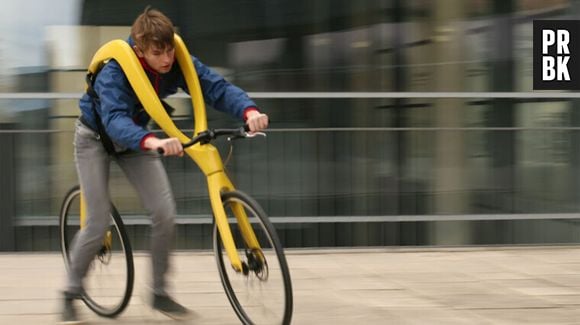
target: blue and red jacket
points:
(123, 116)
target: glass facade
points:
(348, 157)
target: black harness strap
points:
(105, 139)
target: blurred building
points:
(354, 170)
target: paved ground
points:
(539, 285)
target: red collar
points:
(147, 67)
(153, 72)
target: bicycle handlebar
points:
(208, 135)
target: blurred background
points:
(345, 162)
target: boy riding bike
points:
(113, 127)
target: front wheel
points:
(262, 292)
(108, 283)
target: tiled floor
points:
(528, 285)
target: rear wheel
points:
(262, 292)
(108, 284)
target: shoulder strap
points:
(90, 80)
(125, 56)
(105, 139)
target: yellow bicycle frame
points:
(206, 156)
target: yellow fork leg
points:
(224, 230)
(245, 226)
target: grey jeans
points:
(146, 173)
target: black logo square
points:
(556, 54)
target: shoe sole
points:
(175, 317)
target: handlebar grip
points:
(160, 151)
(246, 128)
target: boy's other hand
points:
(170, 146)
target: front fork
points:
(219, 183)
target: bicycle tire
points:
(92, 301)
(272, 249)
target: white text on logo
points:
(555, 67)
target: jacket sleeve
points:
(219, 93)
(117, 101)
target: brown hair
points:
(152, 27)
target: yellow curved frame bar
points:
(206, 156)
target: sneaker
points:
(69, 313)
(170, 308)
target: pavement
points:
(492, 285)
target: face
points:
(160, 60)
